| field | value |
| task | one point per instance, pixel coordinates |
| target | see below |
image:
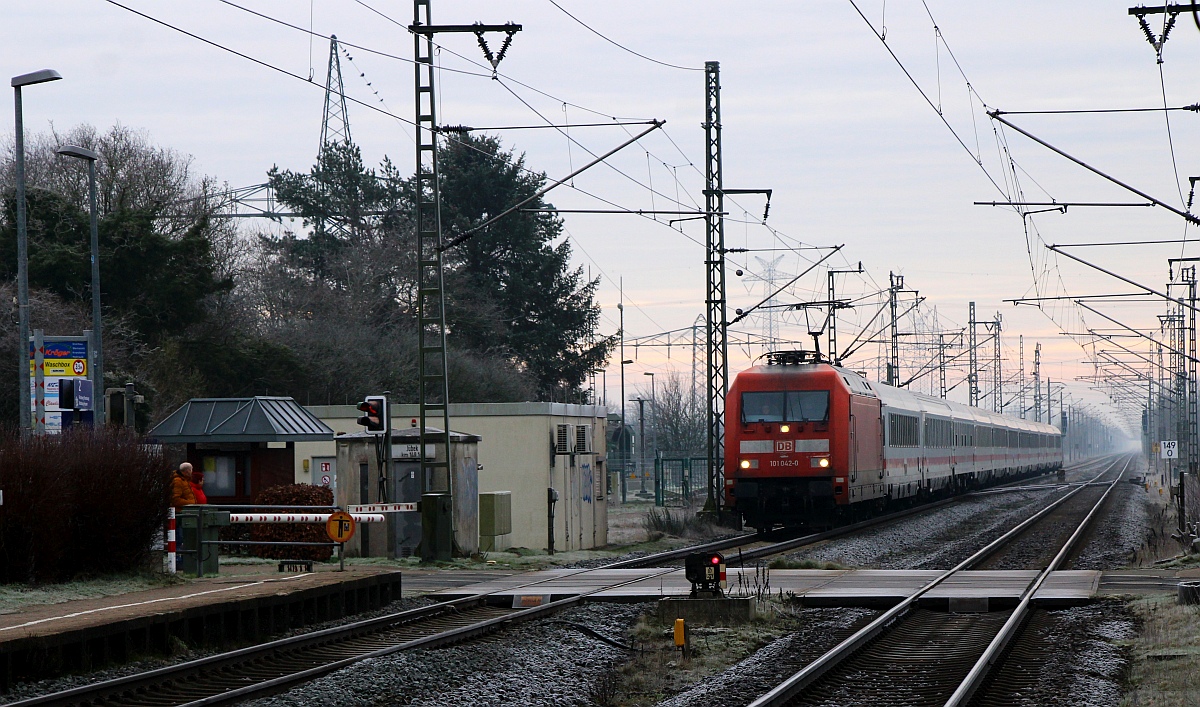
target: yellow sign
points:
(1155, 448)
(61, 367)
(340, 526)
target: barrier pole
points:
(171, 540)
(341, 557)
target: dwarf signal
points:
(706, 572)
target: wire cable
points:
(619, 45)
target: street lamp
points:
(97, 368)
(653, 411)
(18, 82)
(642, 443)
(624, 434)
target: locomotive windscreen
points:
(789, 406)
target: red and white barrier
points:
(170, 559)
(383, 508)
(299, 517)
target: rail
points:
(202, 681)
(793, 686)
(812, 538)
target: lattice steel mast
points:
(433, 389)
(714, 265)
(973, 360)
(335, 121)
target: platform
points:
(872, 588)
(75, 636)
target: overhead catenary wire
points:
(619, 45)
(352, 99)
(775, 232)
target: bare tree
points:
(676, 415)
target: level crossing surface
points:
(843, 587)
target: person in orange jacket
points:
(181, 487)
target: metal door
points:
(406, 488)
(325, 473)
(853, 449)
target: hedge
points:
(293, 495)
(78, 504)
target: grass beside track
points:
(1166, 653)
(657, 671)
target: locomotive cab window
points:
(791, 406)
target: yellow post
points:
(681, 639)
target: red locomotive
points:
(812, 444)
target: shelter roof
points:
(257, 419)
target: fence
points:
(203, 531)
(680, 482)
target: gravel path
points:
(742, 683)
(532, 664)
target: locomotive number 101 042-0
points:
(785, 462)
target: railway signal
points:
(706, 572)
(375, 412)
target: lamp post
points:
(654, 412)
(97, 368)
(642, 443)
(19, 82)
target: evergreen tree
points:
(535, 306)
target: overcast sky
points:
(814, 107)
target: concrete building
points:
(357, 451)
(527, 449)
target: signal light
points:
(785, 428)
(375, 414)
(705, 571)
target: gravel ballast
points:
(938, 539)
(741, 684)
(539, 663)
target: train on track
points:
(810, 444)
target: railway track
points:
(756, 548)
(278, 665)
(912, 656)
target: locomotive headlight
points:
(745, 464)
(823, 463)
(785, 428)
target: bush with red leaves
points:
(293, 495)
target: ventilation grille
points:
(562, 439)
(583, 439)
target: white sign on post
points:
(1169, 449)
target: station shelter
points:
(535, 451)
(243, 445)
